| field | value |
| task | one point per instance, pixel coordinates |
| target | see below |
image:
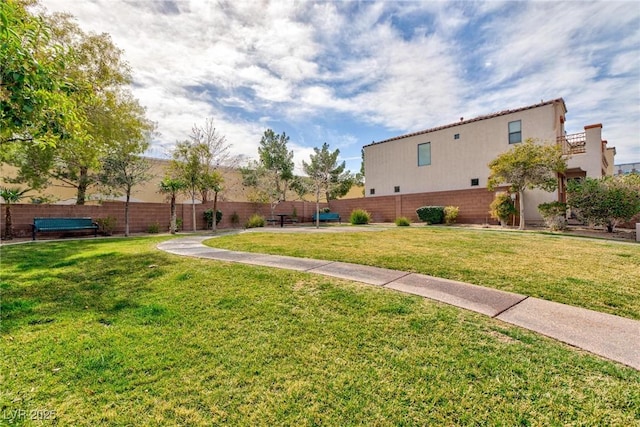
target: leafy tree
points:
(35, 95)
(121, 171)
(172, 187)
(327, 177)
(10, 196)
(196, 162)
(269, 178)
(111, 115)
(214, 153)
(186, 167)
(259, 182)
(277, 161)
(606, 201)
(527, 166)
(359, 178)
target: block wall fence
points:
(473, 204)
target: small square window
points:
(456, 136)
(372, 191)
(515, 132)
(475, 182)
(396, 189)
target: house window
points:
(372, 191)
(424, 154)
(456, 136)
(396, 189)
(475, 182)
(515, 132)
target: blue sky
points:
(352, 72)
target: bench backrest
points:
(42, 223)
(327, 215)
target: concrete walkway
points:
(613, 337)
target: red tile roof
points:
(477, 119)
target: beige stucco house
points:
(456, 156)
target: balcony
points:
(575, 143)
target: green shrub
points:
(359, 216)
(153, 228)
(208, 216)
(106, 225)
(431, 214)
(451, 214)
(235, 219)
(325, 210)
(502, 208)
(178, 224)
(256, 220)
(403, 221)
(554, 215)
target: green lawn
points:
(591, 273)
(115, 332)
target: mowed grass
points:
(115, 332)
(590, 273)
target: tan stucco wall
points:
(233, 190)
(454, 162)
(146, 192)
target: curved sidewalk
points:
(613, 337)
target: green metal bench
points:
(328, 216)
(44, 225)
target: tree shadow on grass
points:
(43, 283)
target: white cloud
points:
(399, 66)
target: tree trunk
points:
(193, 211)
(318, 207)
(214, 226)
(521, 204)
(83, 184)
(126, 214)
(172, 224)
(8, 224)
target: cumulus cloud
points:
(359, 68)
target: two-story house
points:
(455, 157)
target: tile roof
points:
(476, 119)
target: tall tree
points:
(196, 162)
(269, 178)
(527, 166)
(94, 65)
(122, 170)
(327, 176)
(277, 160)
(259, 182)
(186, 167)
(214, 153)
(35, 95)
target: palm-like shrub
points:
(10, 196)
